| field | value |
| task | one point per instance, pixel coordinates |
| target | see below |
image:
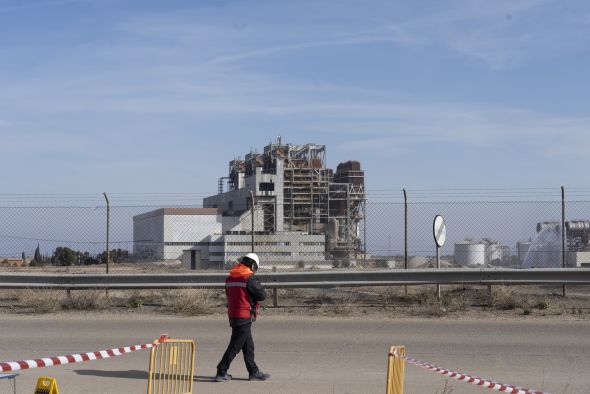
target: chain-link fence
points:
(518, 233)
(145, 234)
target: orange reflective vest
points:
(239, 303)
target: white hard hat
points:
(253, 257)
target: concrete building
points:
(202, 238)
(164, 233)
(283, 249)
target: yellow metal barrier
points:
(172, 366)
(46, 385)
(395, 370)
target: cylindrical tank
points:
(543, 225)
(578, 227)
(494, 252)
(470, 254)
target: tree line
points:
(64, 256)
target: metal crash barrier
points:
(172, 367)
(395, 370)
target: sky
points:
(158, 96)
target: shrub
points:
(543, 304)
(39, 301)
(340, 305)
(85, 301)
(192, 302)
(505, 299)
(35, 263)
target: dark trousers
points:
(241, 339)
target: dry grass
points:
(335, 303)
(341, 302)
(504, 298)
(343, 305)
(86, 300)
(193, 302)
(139, 298)
(427, 304)
(39, 302)
(187, 302)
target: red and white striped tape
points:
(504, 388)
(77, 358)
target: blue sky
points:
(153, 96)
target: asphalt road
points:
(308, 355)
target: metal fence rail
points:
(319, 279)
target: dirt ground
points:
(417, 301)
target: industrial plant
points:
(546, 249)
(298, 210)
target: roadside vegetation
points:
(399, 301)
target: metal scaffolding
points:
(315, 200)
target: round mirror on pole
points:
(439, 230)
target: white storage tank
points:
(470, 254)
(495, 252)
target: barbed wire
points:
(194, 199)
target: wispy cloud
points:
(358, 39)
(502, 33)
(409, 128)
(193, 75)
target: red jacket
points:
(243, 293)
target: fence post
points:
(275, 292)
(108, 225)
(405, 235)
(365, 233)
(252, 213)
(108, 233)
(563, 244)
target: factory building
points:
(281, 249)
(165, 233)
(204, 238)
(298, 210)
(294, 191)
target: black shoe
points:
(222, 378)
(259, 375)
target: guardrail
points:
(315, 279)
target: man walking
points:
(244, 292)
